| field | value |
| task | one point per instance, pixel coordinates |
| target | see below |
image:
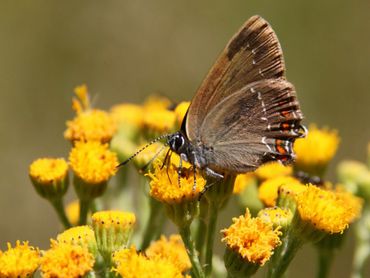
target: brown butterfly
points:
(245, 112)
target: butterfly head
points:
(177, 142)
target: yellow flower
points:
(91, 125)
(66, 260)
(316, 150)
(113, 219)
(49, 176)
(73, 212)
(277, 216)
(80, 235)
(268, 191)
(159, 121)
(272, 170)
(353, 203)
(156, 102)
(172, 250)
(130, 264)
(180, 111)
(82, 102)
(113, 231)
(288, 193)
(252, 238)
(128, 114)
(20, 261)
(48, 170)
(242, 181)
(93, 162)
(325, 210)
(164, 184)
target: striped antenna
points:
(143, 148)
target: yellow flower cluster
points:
(131, 264)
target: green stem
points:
(362, 245)
(84, 210)
(212, 222)
(192, 252)
(59, 208)
(156, 221)
(325, 258)
(283, 256)
(201, 229)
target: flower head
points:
(180, 112)
(80, 235)
(159, 121)
(242, 181)
(316, 150)
(128, 114)
(113, 230)
(252, 238)
(73, 212)
(93, 162)
(268, 191)
(66, 260)
(131, 264)
(165, 186)
(171, 249)
(19, 261)
(325, 210)
(49, 176)
(279, 217)
(272, 170)
(89, 124)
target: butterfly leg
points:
(213, 174)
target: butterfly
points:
(245, 112)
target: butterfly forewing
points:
(256, 124)
(253, 54)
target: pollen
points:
(326, 210)
(172, 249)
(131, 264)
(66, 260)
(19, 261)
(93, 162)
(317, 148)
(272, 170)
(91, 125)
(48, 170)
(252, 238)
(268, 190)
(165, 185)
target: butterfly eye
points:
(176, 142)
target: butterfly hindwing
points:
(256, 124)
(253, 54)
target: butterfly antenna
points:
(142, 169)
(143, 148)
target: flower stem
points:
(84, 209)
(362, 245)
(325, 259)
(192, 252)
(201, 229)
(284, 255)
(59, 208)
(212, 222)
(155, 223)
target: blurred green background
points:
(126, 50)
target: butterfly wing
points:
(256, 124)
(253, 54)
